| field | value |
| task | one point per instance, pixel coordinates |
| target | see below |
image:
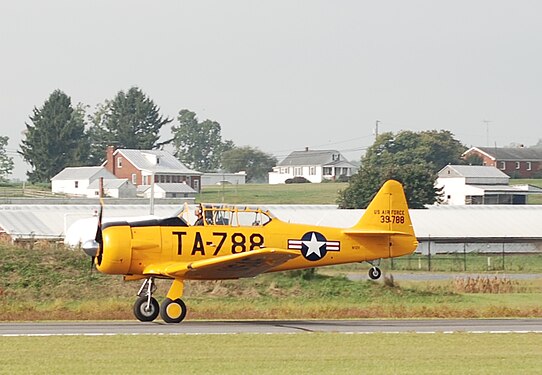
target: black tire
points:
(173, 311)
(145, 312)
(375, 273)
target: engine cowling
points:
(116, 252)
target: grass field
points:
(305, 353)
(48, 283)
(326, 193)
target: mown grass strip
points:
(322, 353)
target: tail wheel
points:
(375, 273)
(173, 311)
(145, 310)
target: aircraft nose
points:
(91, 247)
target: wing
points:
(247, 264)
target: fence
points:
(25, 192)
(467, 262)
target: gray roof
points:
(514, 189)
(51, 221)
(510, 153)
(113, 183)
(437, 222)
(81, 173)
(166, 163)
(313, 157)
(176, 188)
(471, 171)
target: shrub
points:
(297, 180)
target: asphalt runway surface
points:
(104, 328)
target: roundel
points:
(313, 246)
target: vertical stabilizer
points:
(387, 212)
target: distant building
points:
(314, 165)
(139, 167)
(220, 178)
(112, 188)
(76, 180)
(520, 162)
(474, 184)
(168, 191)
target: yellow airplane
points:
(235, 242)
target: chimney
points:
(110, 165)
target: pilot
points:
(199, 216)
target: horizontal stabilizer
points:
(361, 232)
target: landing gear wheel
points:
(144, 311)
(375, 273)
(173, 311)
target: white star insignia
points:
(313, 246)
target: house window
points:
(298, 171)
(518, 164)
(312, 171)
(119, 162)
(196, 185)
(76, 184)
(134, 179)
(528, 165)
(503, 165)
(327, 171)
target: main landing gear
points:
(173, 309)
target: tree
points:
(251, 160)
(199, 144)
(55, 138)
(411, 158)
(131, 120)
(6, 162)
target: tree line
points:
(60, 134)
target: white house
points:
(474, 184)
(76, 180)
(113, 188)
(168, 190)
(314, 165)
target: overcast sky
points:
(282, 75)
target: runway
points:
(104, 328)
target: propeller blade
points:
(99, 238)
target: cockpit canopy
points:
(234, 216)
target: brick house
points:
(139, 167)
(518, 162)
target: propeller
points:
(94, 248)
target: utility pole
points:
(376, 129)
(487, 131)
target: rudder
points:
(387, 212)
